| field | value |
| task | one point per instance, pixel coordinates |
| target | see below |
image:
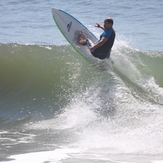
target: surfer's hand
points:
(98, 25)
(90, 48)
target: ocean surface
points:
(56, 107)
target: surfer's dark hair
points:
(110, 21)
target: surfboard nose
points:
(54, 10)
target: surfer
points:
(102, 48)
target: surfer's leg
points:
(108, 55)
(97, 54)
(80, 41)
(89, 43)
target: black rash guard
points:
(103, 51)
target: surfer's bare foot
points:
(80, 40)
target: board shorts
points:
(97, 52)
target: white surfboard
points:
(70, 27)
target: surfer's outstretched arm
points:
(98, 25)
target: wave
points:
(37, 78)
(44, 78)
(51, 94)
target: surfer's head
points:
(110, 20)
(108, 23)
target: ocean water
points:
(56, 107)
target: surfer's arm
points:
(100, 43)
(99, 26)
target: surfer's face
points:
(107, 25)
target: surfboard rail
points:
(68, 25)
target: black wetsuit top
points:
(102, 51)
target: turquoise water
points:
(57, 107)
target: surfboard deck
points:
(70, 27)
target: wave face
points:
(50, 97)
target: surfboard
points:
(71, 27)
